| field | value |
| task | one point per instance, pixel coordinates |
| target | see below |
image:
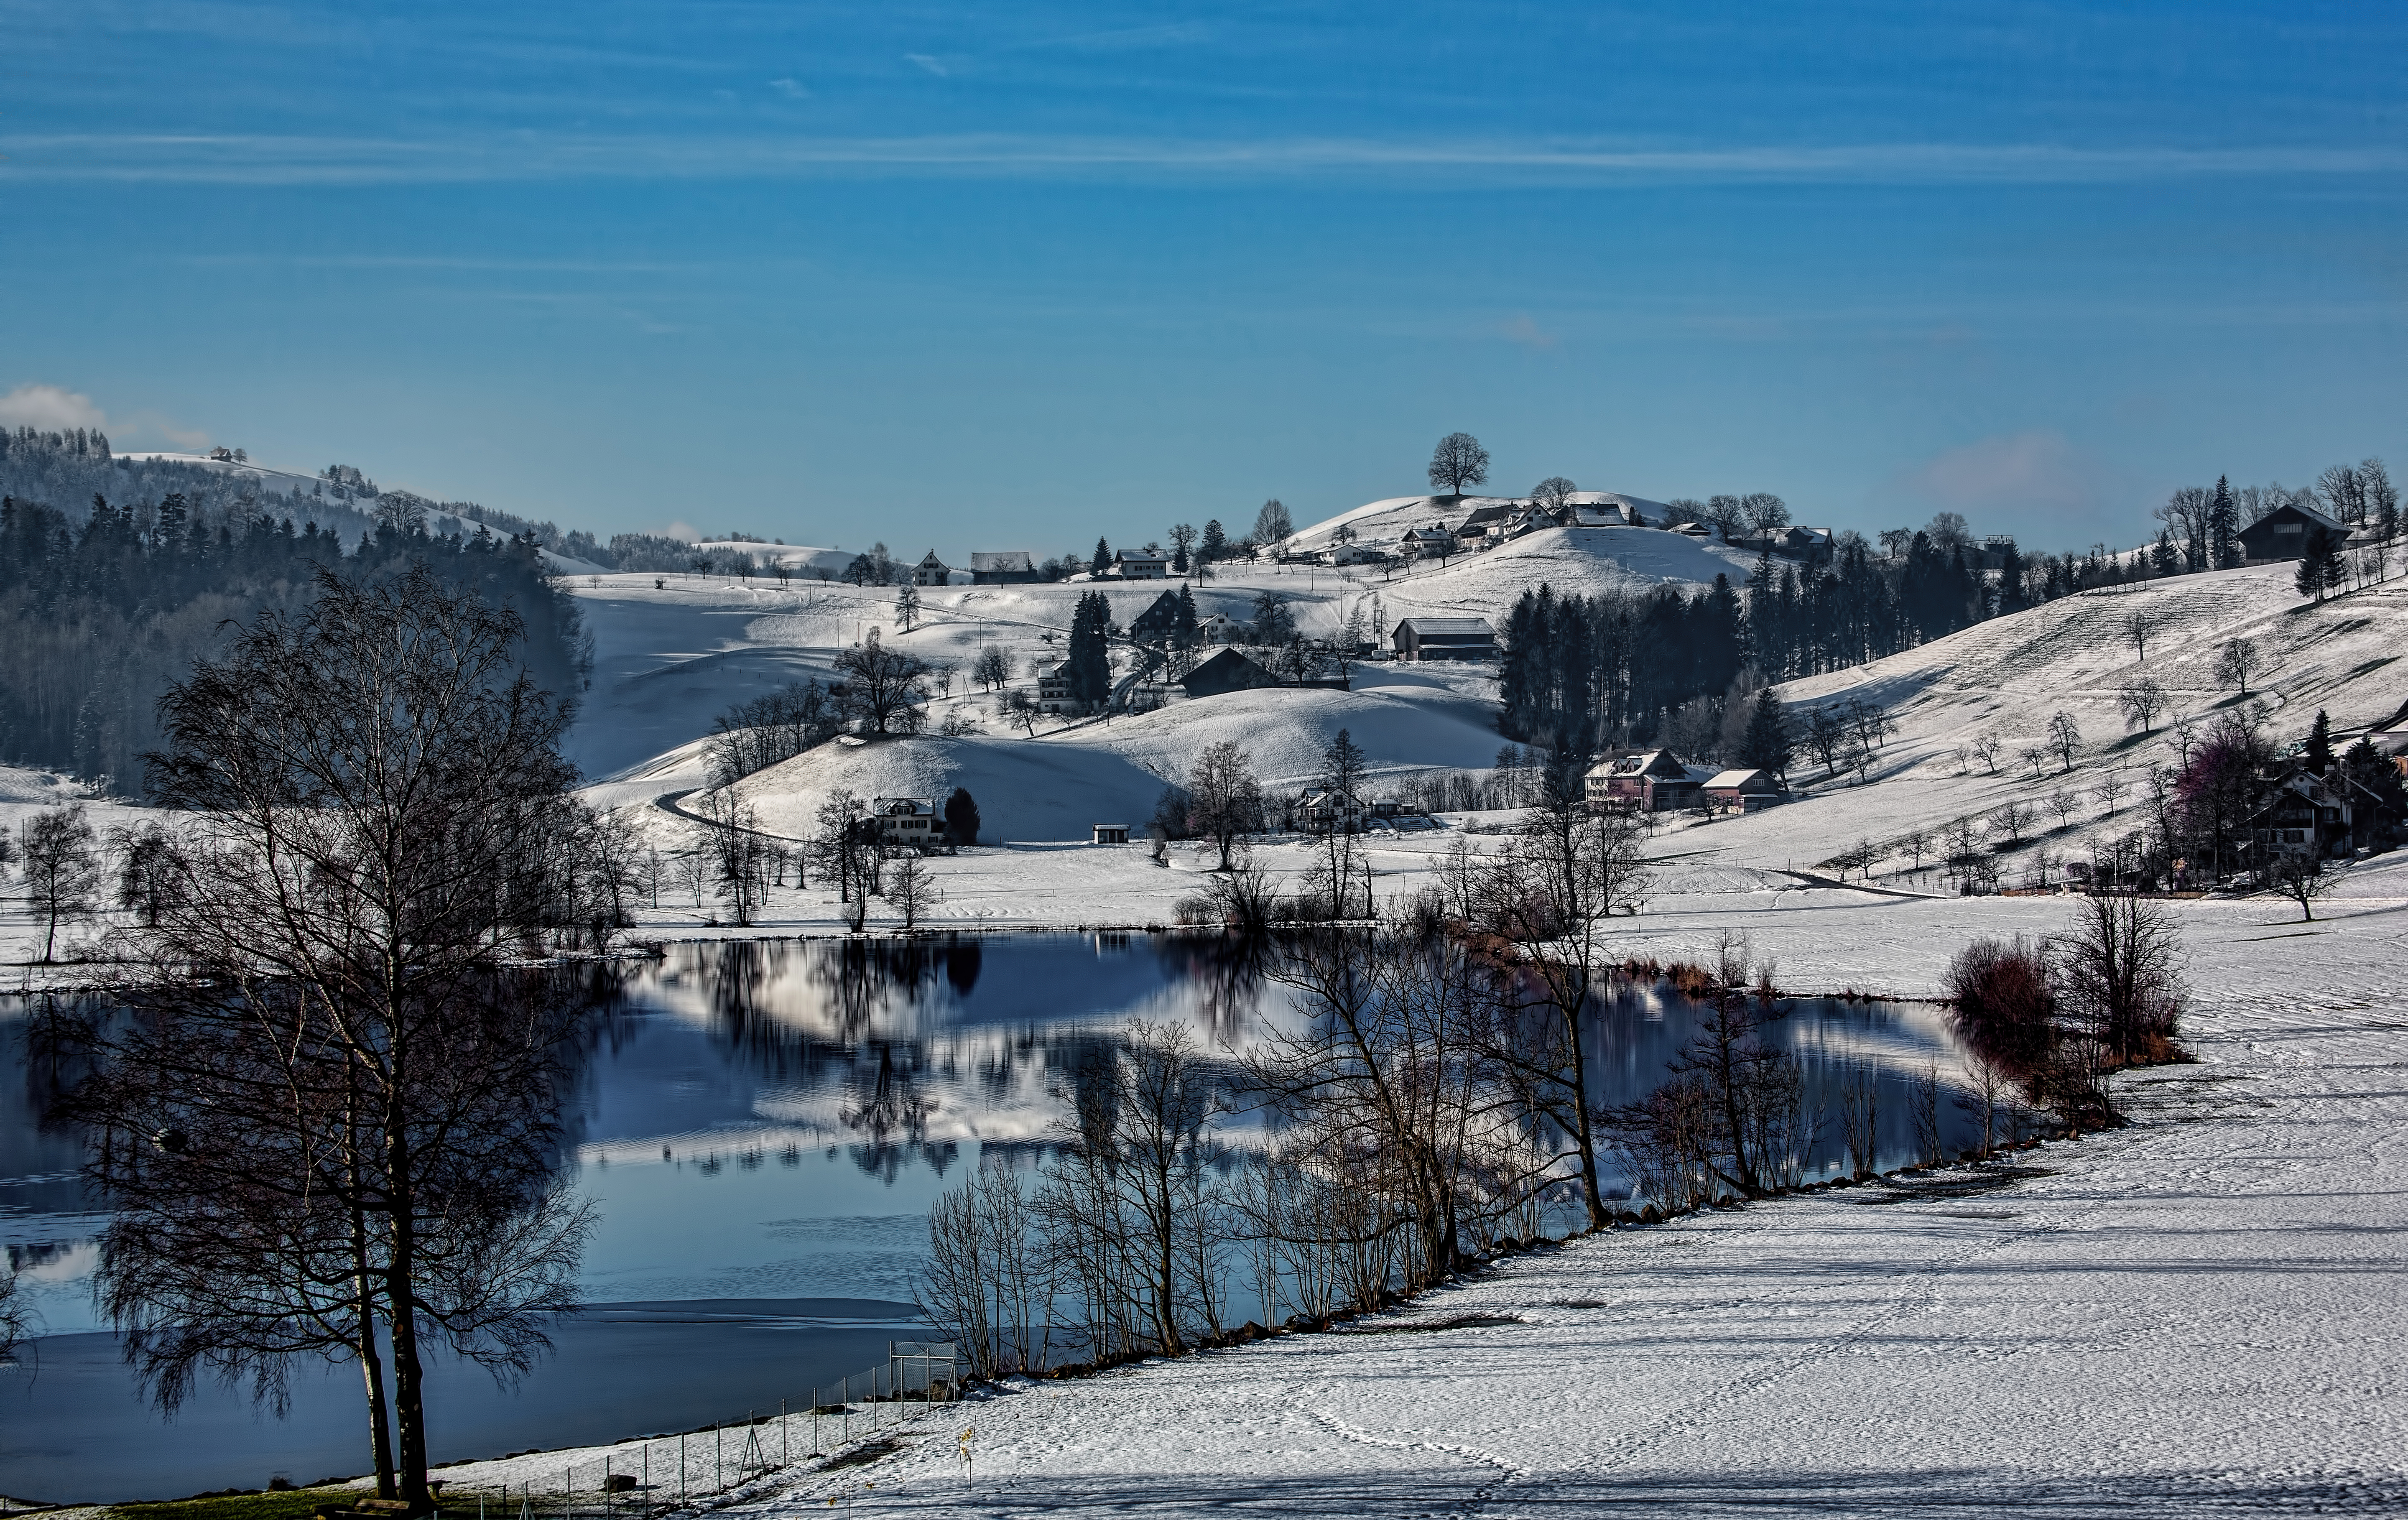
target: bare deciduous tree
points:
(992, 670)
(740, 855)
(2139, 625)
(1225, 801)
(2010, 820)
(61, 868)
(2110, 791)
(340, 1132)
(2235, 662)
(910, 889)
(2120, 973)
(881, 685)
(12, 1315)
(1548, 898)
(986, 1280)
(1552, 492)
(2302, 877)
(2141, 702)
(2064, 737)
(1456, 463)
(2065, 805)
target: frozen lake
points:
(762, 1125)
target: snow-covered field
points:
(2199, 1313)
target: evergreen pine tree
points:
(1103, 557)
(2318, 754)
(2319, 562)
(1214, 544)
(1765, 744)
(2223, 527)
(2165, 559)
(2011, 579)
(1090, 659)
(1183, 628)
(962, 817)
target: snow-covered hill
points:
(1380, 525)
(2007, 677)
(673, 651)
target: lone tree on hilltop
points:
(1272, 524)
(1458, 461)
(1102, 559)
(1552, 492)
(1183, 539)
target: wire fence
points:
(847, 1419)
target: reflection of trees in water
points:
(845, 1038)
(893, 1108)
(1223, 973)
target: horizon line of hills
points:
(66, 469)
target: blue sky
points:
(1014, 276)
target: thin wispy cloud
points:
(1523, 330)
(790, 89)
(52, 409)
(1132, 39)
(330, 159)
(932, 65)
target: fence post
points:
(680, 1467)
(815, 1419)
(785, 1455)
(718, 1459)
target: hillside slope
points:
(2010, 676)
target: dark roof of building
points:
(1226, 671)
(1447, 627)
(2307, 515)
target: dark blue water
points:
(762, 1127)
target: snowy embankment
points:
(2197, 1314)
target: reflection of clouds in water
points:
(55, 1261)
